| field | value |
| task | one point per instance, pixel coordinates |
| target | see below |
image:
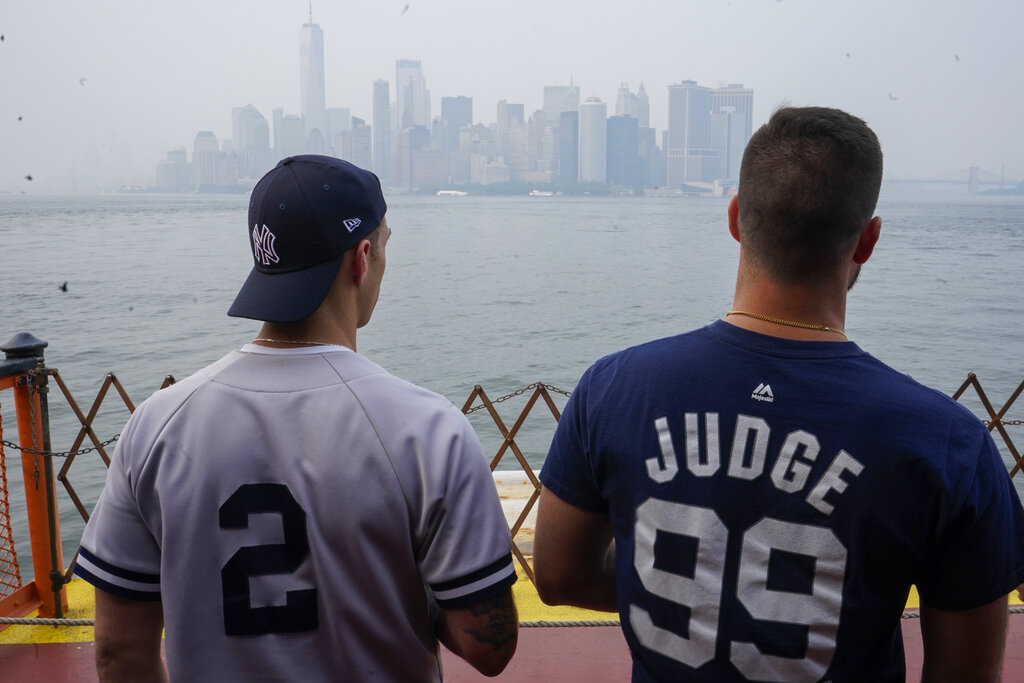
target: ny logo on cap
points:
(263, 245)
(351, 223)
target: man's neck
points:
(304, 333)
(789, 311)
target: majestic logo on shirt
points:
(263, 245)
(763, 392)
(351, 223)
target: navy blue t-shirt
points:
(774, 500)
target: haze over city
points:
(96, 94)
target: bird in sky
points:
(893, 97)
(406, 8)
(81, 81)
(956, 57)
(28, 177)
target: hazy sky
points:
(105, 88)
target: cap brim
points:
(285, 297)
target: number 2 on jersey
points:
(818, 610)
(299, 613)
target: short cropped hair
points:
(809, 183)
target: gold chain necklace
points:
(293, 341)
(777, 321)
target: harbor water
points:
(493, 291)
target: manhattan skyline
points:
(106, 90)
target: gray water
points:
(496, 291)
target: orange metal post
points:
(43, 523)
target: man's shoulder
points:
(382, 393)
(651, 354)
(173, 395)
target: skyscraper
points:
(560, 98)
(569, 147)
(624, 164)
(510, 115)
(205, 154)
(593, 141)
(689, 131)
(311, 78)
(643, 106)
(360, 143)
(626, 103)
(251, 139)
(382, 131)
(457, 113)
(740, 99)
(412, 99)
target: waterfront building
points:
(339, 125)
(741, 101)
(627, 103)
(560, 98)
(205, 155)
(311, 79)
(412, 99)
(593, 141)
(382, 131)
(289, 135)
(457, 113)
(510, 115)
(456, 117)
(251, 141)
(410, 141)
(569, 147)
(652, 158)
(624, 166)
(360, 143)
(643, 107)
(689, 132)
(174, 174)
(729, 139)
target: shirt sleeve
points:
(569, 470)
(978, 554)
(119, 554)
(467, 554)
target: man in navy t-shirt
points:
(756, 498)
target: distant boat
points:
(543, 193)
(451, 193)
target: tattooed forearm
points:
(495, 621)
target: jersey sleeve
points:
(466, 553)
(568, 470)
(978, 554)
(119, 554)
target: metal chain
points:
(58, 454)
(1006, 423)
(520, 393)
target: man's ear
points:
(361, 261)
(867, 241)
(734, 217)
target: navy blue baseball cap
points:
(303, 216)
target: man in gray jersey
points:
(293, 510)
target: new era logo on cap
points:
(351, 223)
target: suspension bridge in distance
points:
(973, 179)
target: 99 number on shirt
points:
(299, 613)
(702, 594)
